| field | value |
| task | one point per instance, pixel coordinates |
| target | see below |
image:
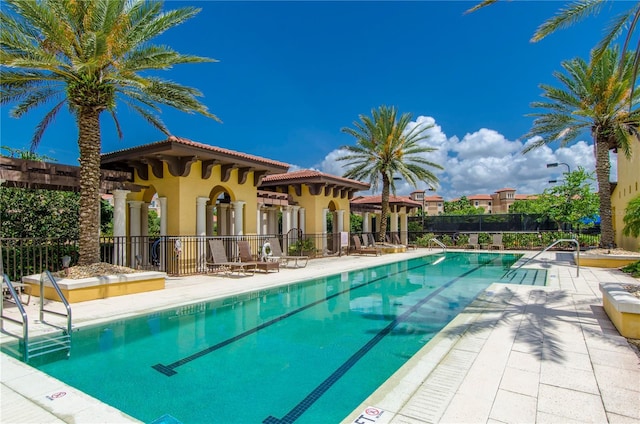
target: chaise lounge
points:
(244, 251)
(219, 262)
(276, 254)
(358, 249)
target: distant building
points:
(498, 202)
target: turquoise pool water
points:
(306, 353)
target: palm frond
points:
(157, 57)
(34, 99)
(566, 17)
(614, 29)
(480, 5)
(42, 126)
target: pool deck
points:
(516, 354)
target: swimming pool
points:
(307, 352)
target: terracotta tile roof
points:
(433, 198)
(377, 199)
(189, 143)
(526, 196)
(311, 175)
(479, 197)
(505, 189)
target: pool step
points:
(523, 276)
(49, 344)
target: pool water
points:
(307, 353)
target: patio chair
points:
(244, 251)
(19, 288)
(372, 239)
(473, 242)
(357, 248)
(396, 240)
(276, 254)
(496, 242)
(219, 262)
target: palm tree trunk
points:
(385, 208)
(89, 144)
(603, 170)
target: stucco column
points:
(223, 211)
(303, 220)
(120, 226)
(286, 219)
(238, 207)
(294, 216)
(404, 228)
(365, 222)
(394, 222)
(201, 216)
(325, 211)
(163, 231)
(259, 220)
(201, 231)
(272, 220)
(340, 220)
(134, 230)
(210, 213)
(144, 232)
(163, 215)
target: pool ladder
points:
(44, 345)
(439, 243)
(574, 241)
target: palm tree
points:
(386, 148)
(595, 97)
(90, 55)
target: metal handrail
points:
(547, 248)
(439, 243)
(63, 299)
(25, 320)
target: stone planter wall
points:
(84, 289)
(622, 308)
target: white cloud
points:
(485, 143)
(485, 161)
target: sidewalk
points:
(516, 354)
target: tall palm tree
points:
(595, 97)
(90, 55)
(385, 148)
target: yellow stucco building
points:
(627, 187)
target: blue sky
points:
(292, 74)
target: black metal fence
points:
(187, 255)
(175, 255)
(512, 222)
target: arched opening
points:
(221, 214)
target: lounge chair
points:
(276, 254)
(244, 251)
(496, 242)
(19, 288)
(473, 242)
(357, 248)
(396, 240)
(219, 262)
(372, 239)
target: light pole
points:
(424, 195)
(554, 165)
